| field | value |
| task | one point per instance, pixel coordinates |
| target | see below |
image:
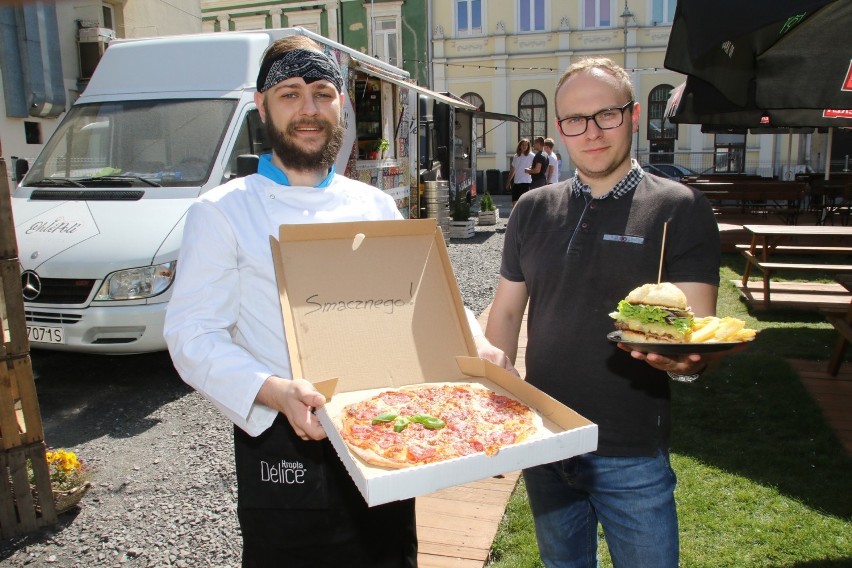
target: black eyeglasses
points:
(606, 119)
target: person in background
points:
(225, 333)
(519, 179)
(553, 167)
(558, 165)
(572, 251)
(538, 168)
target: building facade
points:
(393, 30)
(507, 55)
(48, 51)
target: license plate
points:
(43, 334)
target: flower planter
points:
(63, 501)
(488, 217)
(462, 229)
(66, 500)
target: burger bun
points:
(663, 294)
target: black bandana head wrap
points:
(307, 64)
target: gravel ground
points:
(161, 458)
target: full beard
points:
(298, 158)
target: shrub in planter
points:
(487, 210)
(461, 208)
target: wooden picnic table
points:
(818, 241)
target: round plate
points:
(673, 348)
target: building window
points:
(32, 132)
(478, 123)
(385, 24)
(661, 132)
(308, 19)
(730, 153)
(386, 41)
(375, 122)
(469, 17)
(108, 16)
(249, 22)
(532, 110)
(531, 15)
(597, 13)
(662, 11)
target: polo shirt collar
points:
(266, 168)
(628, 183)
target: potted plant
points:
(382, 146)
(488, 213)
(69, 478)
(461, 225)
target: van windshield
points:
(134, 143)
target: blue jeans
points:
(631, 497)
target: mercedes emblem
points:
(31, 285)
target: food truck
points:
(449, 142)
(99, 216)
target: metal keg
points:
(436, 197)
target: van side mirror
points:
(247, 164)
(21, 168)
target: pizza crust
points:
(374, 459)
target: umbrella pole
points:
(789, 154)
(828, 152)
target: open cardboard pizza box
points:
(373, 305)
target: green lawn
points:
(762, 479)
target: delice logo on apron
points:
(282, 472)
(279, 470)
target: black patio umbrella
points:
(697, 102)
(767, 54)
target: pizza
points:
(423, 424)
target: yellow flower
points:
(66, 471)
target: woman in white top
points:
(518, 179)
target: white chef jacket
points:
(223, 324)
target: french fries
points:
(718, 330)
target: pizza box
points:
(375, 305)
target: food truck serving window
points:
(374, 118)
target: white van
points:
(99, 215)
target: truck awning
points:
(495, 116)
(399, 80)
(483, 113)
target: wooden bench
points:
(767, 267)
(843, 325)
(756, 197)
(799, 249)
(829, 198)
(725, 178)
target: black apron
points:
(297, 506)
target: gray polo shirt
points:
(615, 243)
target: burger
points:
(654, 313)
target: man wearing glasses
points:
(574, 249)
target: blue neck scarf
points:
(267, 169)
